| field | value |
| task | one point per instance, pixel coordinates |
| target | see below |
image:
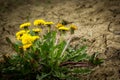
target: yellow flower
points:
(59, 25)
(49, 23)
(73, 27)
(64, 28)
(19, 34)
(36, 30)
(25, 25)
(26, 39)
(26, 46)
(18, 37)
(39, 22)
(33, 38)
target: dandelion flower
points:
(49, 23)
(26, 39)
(19, 34)
(64, 28)
(24, 25)
(33, 38)
(39, 22)
(73, 27)
(37, 30)
(59, 25)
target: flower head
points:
(37, 30)
(59, 25)
(26, 39)
(39, 22)
(64, 28)
(73, 27)
(25, 25)
(19, 34)
(49, 23)
(33, 38)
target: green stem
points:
(66, 46)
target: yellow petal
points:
(39, 22)
(33, 38)
(73, 27)
(64, 28)
(37, 30)
(26, 46)
(49, 23)
(20, 32)
(26, 39)
(27, 24)
(59, 25)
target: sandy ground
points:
(98, 21)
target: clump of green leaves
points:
(50, 57)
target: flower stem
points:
(66, 46)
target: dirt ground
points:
(98, 21)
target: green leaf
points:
(80, 57)
(60, 48)
(32, 33)
(18, 43)
(44, 75)
(17, 46)
(96, 61)
(81, 50)
(8, 40)
(81, 70)
(59, 74)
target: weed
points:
(47, 55)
